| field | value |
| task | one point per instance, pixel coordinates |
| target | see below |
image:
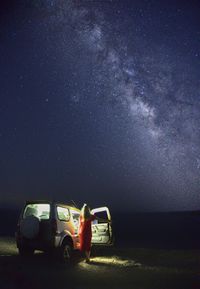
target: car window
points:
(63, 214)
(103, 215)
(41, 211)
(75, 216)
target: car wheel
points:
(25, 252)
(66, 252)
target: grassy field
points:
(122, 267)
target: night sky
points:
(100, 103)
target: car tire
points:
(66, 252)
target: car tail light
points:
(54, 226)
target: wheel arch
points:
(67, 239)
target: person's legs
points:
(87, 254)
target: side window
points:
(75, 217)
(63, 214)
(103, 215)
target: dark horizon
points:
(160, 230)
(7, 207)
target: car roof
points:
(53, 202)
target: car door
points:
(101, 231)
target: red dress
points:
(85, 233)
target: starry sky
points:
(100, 103)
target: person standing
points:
(85, 231)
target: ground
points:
(113, 267)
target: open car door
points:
(102, 231)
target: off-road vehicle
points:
(50, 226)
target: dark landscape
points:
(151, 250)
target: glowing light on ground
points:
(112, 261)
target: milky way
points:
(158, 92)
(139, 87)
